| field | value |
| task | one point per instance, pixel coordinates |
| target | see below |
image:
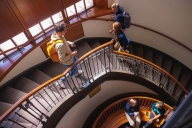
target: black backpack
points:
(127, 19)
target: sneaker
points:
(79, 72)
(61, 84)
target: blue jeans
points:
(148, 125)
(73, 70)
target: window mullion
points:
(42, 29)
(75, 9)
(68, 21)
(64, 15)
(85, 8)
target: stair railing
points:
(36, 106)
(145, 104)
(159, 33)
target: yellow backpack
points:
(52, 53)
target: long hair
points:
(117, 30)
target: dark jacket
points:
(130, 110)
(120, 18)
(123, 40)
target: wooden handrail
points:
(105, 19)
(121, 101)
(19, 103)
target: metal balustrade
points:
(35, 108)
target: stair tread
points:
(138, 50)
(148, 54)
(14, 97)
(37, 76)
(185, 77)
(104, 40)
(52, 69)
(176, 70)
(26, 85)
(167, 64)
(130, 49)
(4, 107)
(82, 48)
(157, 58)
(93, 43)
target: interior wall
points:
(78, 114)
(101, 29)
(170, 17)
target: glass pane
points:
(70, 10)
(80, 6)
(35, 30)
(57, 17)
(20, 39)
(46, 23)
(7, 45)
(88, 3)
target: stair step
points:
(51, 68)
(167, 64)
(11, 95)
(26, 85)
(4, 107)
(148, 54)
(104, 40)
(189, 87)
(157, 58)
(37, 76)
(176, 70)
(82, 48)
(185, 77)
(93, 43)
(138, 50)
(130, 48)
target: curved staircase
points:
(25, 82)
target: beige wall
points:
(171, 17)
(83, 109)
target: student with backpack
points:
(120, 16)
(122, 42)
(63, 52)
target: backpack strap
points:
(58, 41)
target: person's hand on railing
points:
(112, 40)
(112, 17)
(111, 31)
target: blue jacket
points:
(130, 110)
(118, 18)
(123, 40)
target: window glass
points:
(70, 10)
(57, 17)
(88, 3)
(20, 39)
(35, 29)
(46, 23)
(80, 6)
(7, 45)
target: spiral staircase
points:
(24, 83)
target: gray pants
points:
(134, 123)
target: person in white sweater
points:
(66, 56)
